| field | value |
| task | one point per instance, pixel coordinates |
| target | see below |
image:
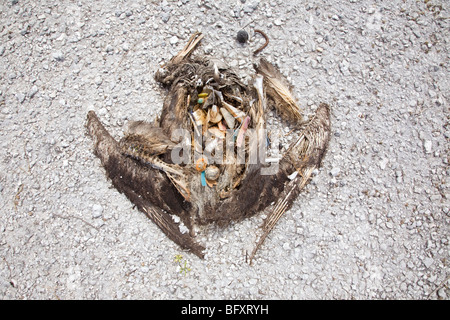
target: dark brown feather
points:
(148, 189)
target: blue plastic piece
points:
(203, 177)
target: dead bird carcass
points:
(205, 160)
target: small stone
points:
(417, 190)
(183, 229)
(441, 293)
(98, 80)
(208, 49)
(428, 262)
(236, 13)
(427, 146)
(109, 49)
(173, 40)
(13, 283)
(250, 7)
(344, 68)
(58, 56)
(335, 172)
(383, 163)
(97, 211)
(165, 16)
(2, 50)
(399, 176)
(242, 36)
(33, 91)
(278, 22)
(20, 97)
(102, 111)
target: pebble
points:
(442, 293)
(209, 49)
(427, 145)
(13, 283)
(277, 22)
(165, 17)
(98, 80)
(251, 6)
(344, 68)
(109, 49)
(428, 262)
(173, 40)
(383, 163)
(34, 89)
(399, 176)
(334, 172)
(20, 97)
(97, 211)
(242, 36)
(58, 56)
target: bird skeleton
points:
(164, 173)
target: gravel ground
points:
(372, 224)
